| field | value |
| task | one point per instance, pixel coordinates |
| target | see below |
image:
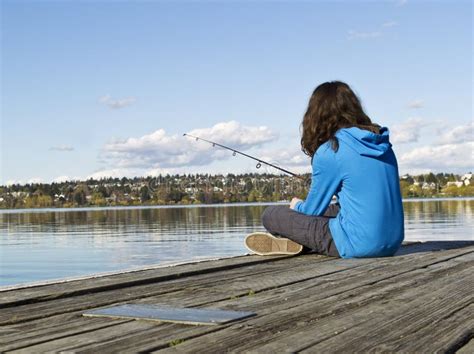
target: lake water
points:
(38, 245)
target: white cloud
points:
(457, 158)
(285, 157)
(401, 2)
(162, 150)
(61, 179)
(407, 132)
(116, 103)
(293, 160)
(11, 182)
(65, 148)
(389, 24)
(115, 173)
(458, 134)
(352, 34)
(35, 180)
(416, 104)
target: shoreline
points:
(182, 206)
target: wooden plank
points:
(374, 323)
(59, 290)
(18, 340)
(386, 331)
(170, 334)
(153, 338)
(297, 273)
(432, 246)
(46, 334)
(26, 312)
(295, 328)
(443, 332)
(62, 289)
(359, 281)
(116, 331)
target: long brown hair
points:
(332, 106)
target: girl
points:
(352, 159)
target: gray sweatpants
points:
(310, 231)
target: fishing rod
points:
(235, 152)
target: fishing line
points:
(235, 152)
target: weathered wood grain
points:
(41, 309)
(334, 327)
(343, 303)
(373, 305)
(246, 281)
(198, 297)
(139, 277)
(141, 337)
(48, 292)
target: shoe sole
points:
(265, 244)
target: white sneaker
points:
(265, 244)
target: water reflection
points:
(431, 220)
(37, 245)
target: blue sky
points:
(97, 88)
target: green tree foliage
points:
(198, 189)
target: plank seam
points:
(336, 294)
(444, 317)
(143, 296)
(162, 346)
(151, 280)
(65, 336)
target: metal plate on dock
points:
(170, 314)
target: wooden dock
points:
(420, 301)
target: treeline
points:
(437, 185)
(161, 190)
(200, 189)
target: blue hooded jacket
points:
(363, 174)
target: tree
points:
(144, 194)
(79, 197)
(431, 178)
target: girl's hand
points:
(293, 202)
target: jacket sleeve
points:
(325, 181)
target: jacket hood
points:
(365, 142)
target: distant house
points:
(128, 197)
(59, 197)
(466, 179)
(19, 194)
(455, 183)
(191, 190)
(427, 185)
